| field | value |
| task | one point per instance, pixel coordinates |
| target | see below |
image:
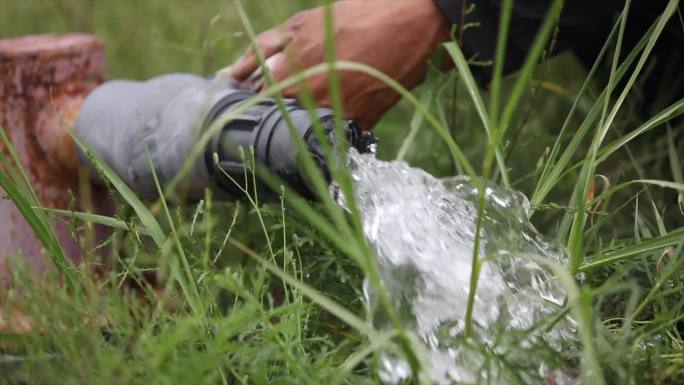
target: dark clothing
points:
(583, 28)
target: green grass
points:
(254, 293)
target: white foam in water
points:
(422, 230)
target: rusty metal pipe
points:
(43, 81)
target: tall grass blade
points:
(185, 278)
(12, 177)
(500, 56)
(674, 237)
(464, 70)
(664, 116)
(676, 165)
(103, 220)
(145, 216)
(497, 135)
(427, 99)
(525, 74)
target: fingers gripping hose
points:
(122, 120)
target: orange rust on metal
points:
(43, 81)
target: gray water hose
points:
(167, 114)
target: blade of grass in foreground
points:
(525, 74)
(502, 37)
(129, 196)
(492, 148)
(187, 282)
(474, 92)
(676, 166)
(498, 132)
(96, 219)
(674, 237)
(310, 169)
(428, 99)
(669, 113)
(25, 200)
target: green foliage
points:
(255, 293)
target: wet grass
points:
(253, 293)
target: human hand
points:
(395, 37)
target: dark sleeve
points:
(583, 26)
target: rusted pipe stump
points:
(43, 81)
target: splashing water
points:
(422, 230)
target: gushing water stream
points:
(422, 230)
